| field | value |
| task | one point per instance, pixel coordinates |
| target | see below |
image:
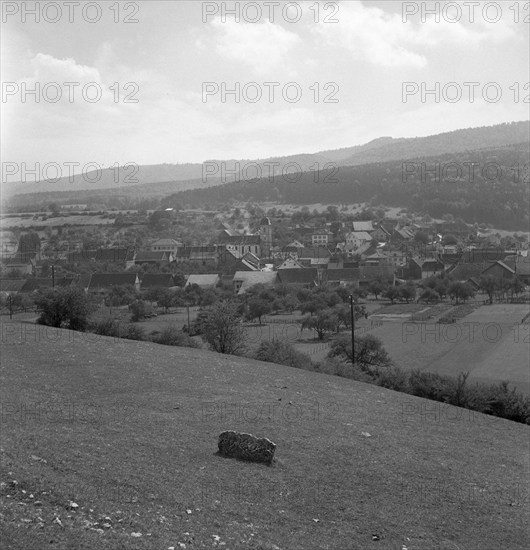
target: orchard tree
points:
(67, 307)
(324, 321)
(221, 327)
(369, 351)
(257, 308)
(489, 285)
(461, 292)
(392, 293)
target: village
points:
(241, 249)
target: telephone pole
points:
(352, 330)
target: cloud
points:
(50, 69)
(381, 38)
(262, 47)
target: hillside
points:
(499, 197)
(177, 177)
(128, 432)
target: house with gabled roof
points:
(462, 271)
(344, 276)
(366, 226)
(158, 258)
(306, 276)
(243, 280)
(157, 280)
(499, 270)
(165, 245)
(424, 268)
(290, 263)
(11, 286)
(115, 254)
(102, 283)
(204, 280)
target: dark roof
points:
(521, 266)
(344, 274)
(314, 252)
(465, 271)
(11, 285)
(157, 280)
(240, 239)
(158, 256)
(186, 251)
(35, 283)
(19, 258)
(107, 280)
(371, 273)
(114, 254)
(80, 256)
(298, 275)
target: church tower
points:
(265, 232)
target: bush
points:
(67, 307)
(282, 353)
(392, 378)
(140, 309)
(171, 336)
(106, 327)
(132, 332)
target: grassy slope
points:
(128, 430)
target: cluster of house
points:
(368, 252)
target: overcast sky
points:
(170, 52)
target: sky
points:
(339, 70)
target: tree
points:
(489, 285)
(325, 321)
(140, 309)
(369, 351)
(392, 293)
(516, 286)
(54, 208)
(460, 292)
(121, 295)
(67, 307)
(429, 296)
(282, 353)
(166, 298)
(376, 287)
(221, 327)
(257, 307)
(407, 292)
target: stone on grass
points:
(246, 447)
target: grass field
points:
(490, 343)
(111, 444)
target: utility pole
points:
(188, 308)
(352, 331)
(53, 276)
(10, 300)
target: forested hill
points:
(178, 177)
(495, 190)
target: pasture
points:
(112, 444)
(490, 343)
